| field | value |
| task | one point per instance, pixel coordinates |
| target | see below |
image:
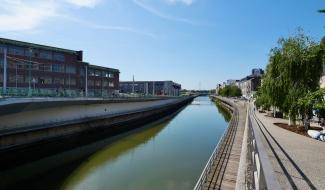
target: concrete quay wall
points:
(37, 125)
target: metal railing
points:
(263, 174)
(53, 92)
(208, 166)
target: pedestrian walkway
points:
(298, 161)
(223, 173)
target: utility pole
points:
(4, 70)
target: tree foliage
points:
(293, 71)
(230, 91)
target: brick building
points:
(33, 69)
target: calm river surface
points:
(166, 155)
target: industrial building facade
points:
(159, 88)
(33, 69)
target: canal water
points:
(169, 154)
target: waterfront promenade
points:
(224, 162)
(298, 161)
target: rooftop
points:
(103, 68)
(36, 46)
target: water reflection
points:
(223, 111)
(170, 155)
(110, 154)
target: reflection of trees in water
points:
(96, 154)
(112, 152)
(223, 111)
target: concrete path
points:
(223, 174)
(298, 161)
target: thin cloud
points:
(19, 16)
(164, 15)
(186, 2)
(84, 3)
(27, 16)
(107, 27)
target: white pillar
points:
(4, 70)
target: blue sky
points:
(192, 42)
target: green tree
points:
(294, 69)
(230, 91)
(313, 101)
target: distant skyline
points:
(197, 43)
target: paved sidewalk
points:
(223, 174)
(298, 161)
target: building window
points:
(91, 83)
(2, 47)
(45, 67)
(11, 64)
(35, 67)
(45, 54)
(70, 69)
(111, 75)
(45, 80)
(32, 52)
(111, 84)
(58, 57)
(97, 83)
(105, 83)
(16, 51)
(12, 78)
(82, 82)
(97, 73)
(27, 79)
(20, 79)
(21, 66)
(70, 81)
(82, 71)
(1, 77)
(91, 72)
(57, 80)
(58, 68)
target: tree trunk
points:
(290, 122)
